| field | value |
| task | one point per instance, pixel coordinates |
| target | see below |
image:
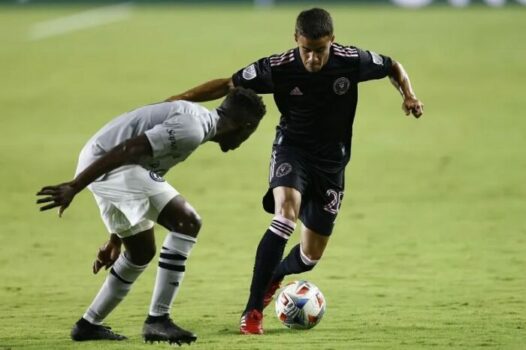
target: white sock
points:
(176, 249)
(118, 283)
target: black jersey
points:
(317, 109)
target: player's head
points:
(314, 35)
(240, 113)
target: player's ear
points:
(296, 36)
(332, 39)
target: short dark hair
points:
(249, 105)
(314, 23)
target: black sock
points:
(268, 255)
(291, 264)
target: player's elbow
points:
(229, 84)
(395, 69)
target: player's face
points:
(314, 52)
(233, 139)
(231, 135)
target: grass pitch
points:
(429, 249)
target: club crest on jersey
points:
(249, 73)
(156, 177)
(283, 169)
(341, 85)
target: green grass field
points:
(430, 246)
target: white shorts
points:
(130, 199)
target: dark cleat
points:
(162, 328)
(83, 330)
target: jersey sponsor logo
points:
(283, 170)
(249, 73)
(341, 85)
(156, 177)
(377, 59)
(171, 138)
(296, 92)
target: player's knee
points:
(194, 224)
(287, 202)
(287, 209)
(190, 224)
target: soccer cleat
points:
(162, 328)
(251, 322)
(83, 330)
(271, 290)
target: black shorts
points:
(321, 189)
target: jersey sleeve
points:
(373, 65)
(176, 135)
(257, 76)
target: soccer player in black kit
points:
(315, 87)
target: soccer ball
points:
(300, 305)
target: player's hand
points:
(413, 106)
(108, 253)
(57, 196)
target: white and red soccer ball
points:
(300, 305)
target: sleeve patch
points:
(249, 73)
(377, 59)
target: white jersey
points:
(174, 129)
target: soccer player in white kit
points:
(122, 165)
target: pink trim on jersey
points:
(345, 51)
(282, 59)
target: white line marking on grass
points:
(82, 20)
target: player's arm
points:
(131, 151)
(257, 76)
(211, 90)
(400, 79)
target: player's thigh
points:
(288, 180)
(313, 244)
(179, 216)
(140, 247)
(130, 199)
